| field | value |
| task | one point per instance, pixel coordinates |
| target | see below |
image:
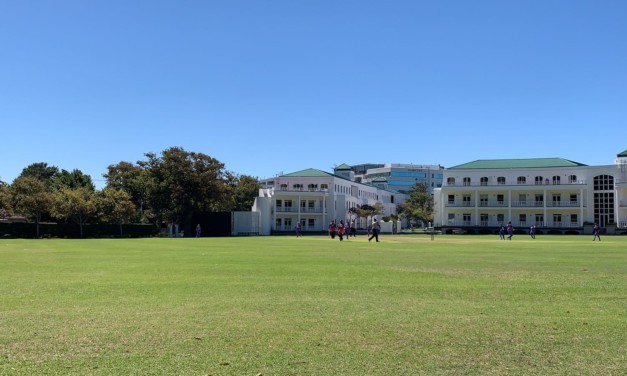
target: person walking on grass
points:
(510, 230)
(502, 232)
(340, 230)
(532, 231)
(298, 228)
(376, 227)
(596, 231)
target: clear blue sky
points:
(271, 86)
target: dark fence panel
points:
(212, 224)
(72, 230)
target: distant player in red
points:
(332, 230)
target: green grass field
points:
(458, 305)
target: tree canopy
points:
(419, 205)
(166, 187)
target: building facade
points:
(314, 198)
(399, 177)
(552, 193)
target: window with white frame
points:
(521, 180)
(500, 180)
(467, 218)
(483, 200)
(467, 200)
(484, 218)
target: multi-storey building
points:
(315, 198)
(552, 193)
(399, 177)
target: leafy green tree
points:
(75, 204)
(31, 197)
(74, 179)
(244, 191)
(132, 179)
(368, 211)
(5, 200)
(40, 171)
(180, 183)
(115, 206)
(419, 205)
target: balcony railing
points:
(287, 209)
(492, 203)
(515, 204)
(562, 204)
(511, 183)
(292, 209)
(460, 204)
(302, 189)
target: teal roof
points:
(343, 166)
(310, 173)
(623, 154)
(516, 163)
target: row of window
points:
(601, 182)
(538, 180)
(338, 188)
(522, 218)
(521, 198)
(286, 223)
(299, 187)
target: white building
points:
(555, 194)
(315, 198)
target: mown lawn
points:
(458, 305)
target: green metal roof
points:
(310, 173)
(516, 163)
(623, 154)
(343, 166)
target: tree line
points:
(162, 188)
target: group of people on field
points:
(341, 230)
(509, 229)
(347, 230)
